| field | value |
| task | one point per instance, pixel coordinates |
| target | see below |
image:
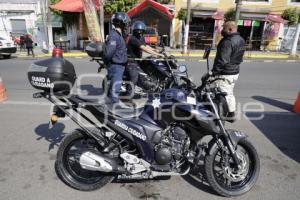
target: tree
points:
(182, 14)
(291, 15)
(57, 12)
(230, 15)
(113, 6)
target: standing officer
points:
(136, 46)
(115, 54)
(226, 68)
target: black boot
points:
(231, 117)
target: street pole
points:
(49, 26)
(187, 27)
(237, 10)
(295, 42)
(44, 18)
(101, 18)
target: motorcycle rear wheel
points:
(222, 176)
(68, 167)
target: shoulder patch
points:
(113, 43)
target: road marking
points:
(29, 103)
(268, 61)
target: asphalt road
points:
(28, 147)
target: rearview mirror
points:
(206, 53)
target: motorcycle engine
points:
(148, 83)
(173, 146)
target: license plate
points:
(8, 44)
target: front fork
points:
(223, 131)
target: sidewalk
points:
(248, 54)
(192, 54)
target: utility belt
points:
(114, 63)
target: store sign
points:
(56, 21)
(255, 23)
(240, 22)
(247, 23)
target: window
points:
(18, 25)
(294, 1)
(255, 2)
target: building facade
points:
(18, 16)
(260, 22)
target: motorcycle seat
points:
(108, 108)
(123, 112)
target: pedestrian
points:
(136, 46)
(22, 42)
(115, 54)
(230, 52)
(29, 45)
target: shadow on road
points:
(53, 135)
(281, 128)
(91, 90)
(274, 102)
(197, 179)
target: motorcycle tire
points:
(78, 178)
(241, 184)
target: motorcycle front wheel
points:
(222, 174)
(69, 169)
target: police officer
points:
(136, 46)
(115, 54)
(230, 53)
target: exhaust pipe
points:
(96, 162)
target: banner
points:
(240, 23)
(255, 23)
(92, 20)
(247, 23)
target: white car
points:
(7, 47)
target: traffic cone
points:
(3, 95)
(296, 108)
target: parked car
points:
(151, 36)
(7, 47)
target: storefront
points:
(260, 30)
(205, 28)
(157, 17)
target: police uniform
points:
(116, 57)
(134, 51)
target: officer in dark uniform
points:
(136, 45)
(115, 54)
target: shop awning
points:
(150, 3)
(274, 18)
(205, 13)
(71, 5)
(218, 15)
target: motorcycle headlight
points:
(182, 68)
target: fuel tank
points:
(174, 105)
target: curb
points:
(188, 57)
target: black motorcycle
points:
(155, 74)
(164, 138)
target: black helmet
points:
(120, 20)
(138, 28)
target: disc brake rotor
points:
(237, 175)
